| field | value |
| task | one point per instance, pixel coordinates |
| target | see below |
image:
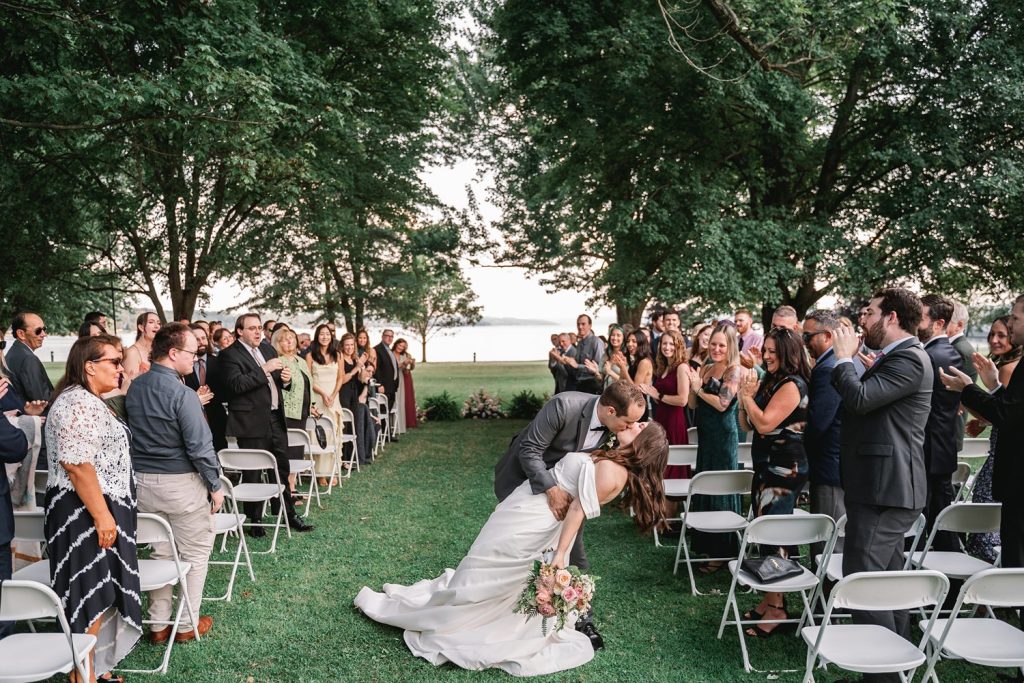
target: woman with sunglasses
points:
(91, 506)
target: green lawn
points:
(407, 517)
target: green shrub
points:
(482, 406)
(441, 407)
(525, 405)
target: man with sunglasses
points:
(28, 376)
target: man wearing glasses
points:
(28, 376)
(176, 468)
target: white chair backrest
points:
(743, 455)
(841, 527)
(382, 401)
(373, 406)
(246, 459)
(29, 526)
(969, 518)
(324, 421)
(917, 528)
(721, 482)
(297, 437)
(41, 477)
(962, 474)
(997, 587)
(232, 442)
(691, 436)
(790, 529)
(682, 455)
(347, 417)
(886, 591)
(228, 487)
(974, 448)
(153, 529)
(20, 600)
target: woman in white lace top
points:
(90, 505)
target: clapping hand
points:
(272, 365)
(954, 380)
(34, 408)
(750, 385)
(619, 359)
(975, 427)
(845, 342)
(987, 370)
(694, 377)
(5, 385)
(205, 394)
(592, 366)
(286, 374)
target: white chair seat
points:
(856, 647)
(715, 521)
(989, 642)
(37, 571)
(804, 581)
(225, 521)
(297, 466)
(348, 438)
(154, 574)
(38, 656)
(834, 571)
(954, 565)
(678, 488)
(256, 493)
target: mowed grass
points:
(409, 516)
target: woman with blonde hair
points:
(298, 399)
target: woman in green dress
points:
(713, 390)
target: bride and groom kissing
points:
(556, 473)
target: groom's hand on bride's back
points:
(559, 502)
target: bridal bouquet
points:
(555, 593)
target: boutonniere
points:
(610, 442)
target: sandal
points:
(756, 631)
(710, 568)
(753, 615)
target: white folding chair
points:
(871, 648)
(373, 405)
(29, 526)
(330, 449)
(714, 483)
(692, 436)
(744, 456)
(305, 466)
(40, 480)
(962, 518)
(385, 415)
(38, 656)
(985, 641)
(254, 460)
(226, 522)
(154, 574)
(678, 488)
(974, 448)
(963, 482)
(349, 438)
(783, 531)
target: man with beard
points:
(882, 441)
(940, 432)
(1004, 408)
(204, 379)
(744, 325)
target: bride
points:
(465, 615)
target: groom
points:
(569, 422)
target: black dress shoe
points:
(587, 629)
(299, 524)
(256, 531)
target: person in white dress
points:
(328, 376)
(465, 616)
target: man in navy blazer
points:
(940, 447)
(13, 446)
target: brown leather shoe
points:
(205, 624)
(160, 637)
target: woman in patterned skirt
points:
(91, 507)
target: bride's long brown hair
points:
(645, 461)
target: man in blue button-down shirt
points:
(176, 467)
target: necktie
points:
(202, 371)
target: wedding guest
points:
(671, 389)
(749, 339)
(564, 379)
(222, 338)
(26, 372)
(203, 380)
(713, 397)
(1005, 356)
(387, 371)
(554, 365)
(699, 350)
(176, 469)
(363, 347)
(305, 342)
(328, 377)
(13, 447)
(573, 339)
(298, 400)
(955, 331)
(657, 327)
(215, 325)
(98, 318)
(400, 398)
(406, 364)
(202, 324)
(640, 364)
(615, 362)
(355, 374)
(775, 409)
(89, 329)
(90, 517)
(136, 358)
(588, 347)
(670, 321)
(268, 333)
(785, 316)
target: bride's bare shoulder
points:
(610, 477)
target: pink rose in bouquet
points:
(555, 593)
(563, 577)
(570, 594)
(546, 610)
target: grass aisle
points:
(407, 517)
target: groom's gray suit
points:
(560, 427)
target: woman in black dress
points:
(775, 409)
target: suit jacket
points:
(385, 372)
(215, 413)
(966, 350)
(561, 371)
(882, 436)
(248, 392)
(28, 376)
(560, 427)
(824, 420)
(940, 447)
(1005, 410)
(13, 446)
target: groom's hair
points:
(620, 394)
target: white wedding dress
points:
(465, 616)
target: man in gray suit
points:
(882, 441)
(570, 422)
(882, 454)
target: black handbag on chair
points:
(321, 435)
(772, 568)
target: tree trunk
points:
(632, 315)
(423, 357)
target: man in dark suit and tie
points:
(940, 433)
(253, 380)
(386, 372)
(956, 330)
(569, 422)
(204, 374)
(882, 441)
(28, 376)
(1004, 408)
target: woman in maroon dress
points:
(406, 363)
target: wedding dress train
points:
(465, 616)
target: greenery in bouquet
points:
(482, 406)
(525, 405)
(440, 408)
(555, 594)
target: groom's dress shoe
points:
(299, 524)
(596, 641)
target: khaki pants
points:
(181, 499)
